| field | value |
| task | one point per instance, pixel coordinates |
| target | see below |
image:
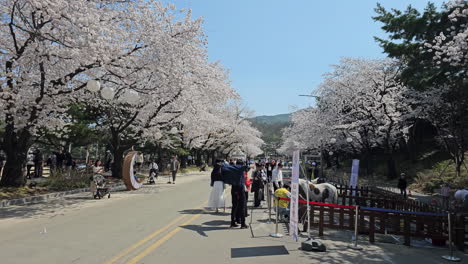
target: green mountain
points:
(271, 128)
(283, 118)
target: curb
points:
(46, 197)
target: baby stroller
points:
(98, 187)
(153, 176)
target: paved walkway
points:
(167, 223)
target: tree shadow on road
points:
(51, 208)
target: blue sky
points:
(277, 49)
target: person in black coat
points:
(257, 185)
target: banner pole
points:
(269, 202)
(308, 211)
(355, 246)
(451, 257)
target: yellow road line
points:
(159, 242)
(146, 239)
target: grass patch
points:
(425, 174)
(11, 193)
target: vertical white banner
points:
(353, 181)
(294, 209)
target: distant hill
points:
(271, 128)
(283, 118)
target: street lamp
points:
(174, 130)
(93, 86)
(106, 92)
(130, 97)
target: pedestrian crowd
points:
(260, 179)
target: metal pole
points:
(451, 257)
(269, 202)
(355, 246)
(251, 220)
(321, 158)
(276, 234)
(308, 210)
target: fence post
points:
(407, 228)
(460, 232)
(371, 227)
(321, 220)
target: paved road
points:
(165, 224)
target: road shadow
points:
(217, 223)
(201, 211)
(51, 208)
(201, 230)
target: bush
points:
(442, 172)
(63, 180)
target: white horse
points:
(322, 192)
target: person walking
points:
(316, 170)
(216, 199)
(2, 162)
(402, 184)
(108, 159)
(59, 157)
(52, 163)
(248, 187)
(68, 159)
(154, 169)
(277, 176)
(38, 159)
(174, 167)
(29, 164)
(445, 192)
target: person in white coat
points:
(277, 176)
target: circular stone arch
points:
(128, 172)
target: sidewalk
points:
(213, 237)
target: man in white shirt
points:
(277, 176)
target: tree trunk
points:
(199, 158)
(213, 157)
(391, 168)
(16, 145)
(117, 151)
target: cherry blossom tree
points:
(362, 100)
(149, 59)
(446, 105)
(47, 47)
